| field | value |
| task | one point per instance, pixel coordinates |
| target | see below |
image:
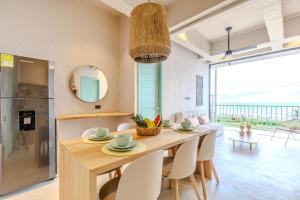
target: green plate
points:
(94, 138)
(129, 146)
(186, 130)
(118, 150)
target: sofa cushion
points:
(180, 116)
(203, 120)
(194, 121)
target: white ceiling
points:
(243, 18)
(240, 18)
(137, 2)
(290, 7)
(257, 25)
(103, 7)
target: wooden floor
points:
(270, 171)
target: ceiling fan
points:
(229, 52)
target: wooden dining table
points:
(81, 163)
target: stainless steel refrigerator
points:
(27, 130)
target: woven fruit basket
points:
(147, 127)
(148, 131)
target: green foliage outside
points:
(258, 123)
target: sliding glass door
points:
(213, 94)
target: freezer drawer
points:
(28, 142)
(26, 78)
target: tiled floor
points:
(270, 171)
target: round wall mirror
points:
(88, 83)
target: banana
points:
(150, 124)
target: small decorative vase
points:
(248, 130)
(242, 133)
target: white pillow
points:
(194, 121)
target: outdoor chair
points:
(291, 126)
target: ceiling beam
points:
(180, 13)
(200, 17)
(291, 26)
(193, 41)
(273, 17)
(185, 12)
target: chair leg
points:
(110, 175)
(214, 171)
(170, 184)
(194, 184)
(293, 134)
(176, 189)
(287, 139)
(201, 171)
(274, 134)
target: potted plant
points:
(147, 127)
(248, 126)
(242, 127)
(243, 124)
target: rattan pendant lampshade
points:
(149, 39)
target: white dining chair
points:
(141, 180)
(207, 153)
(182, 165)
(88, 132)
(125, 126)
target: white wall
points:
(73, 33)
(179, 78)
(127, 70)
(179, 82)
(70, 33)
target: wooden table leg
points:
(172, 151)
(118, 172)
(177, 196)
(75, 181)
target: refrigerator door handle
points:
(26, 61)
(1, 161)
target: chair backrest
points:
(125, 126)
(207, 148)
(88, 132)
(185, 159)
(142, 179)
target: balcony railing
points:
(257, 115)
